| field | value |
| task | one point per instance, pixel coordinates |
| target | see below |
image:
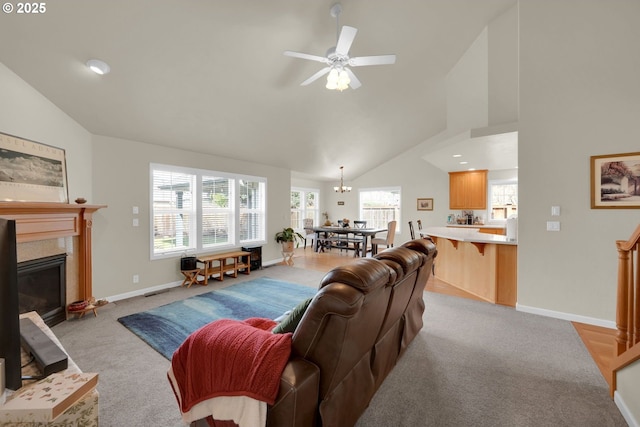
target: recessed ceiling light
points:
(457, 155)
(471, 169)
(463, 163)
(98, 66)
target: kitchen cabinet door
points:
(468, 190)
(457, 191)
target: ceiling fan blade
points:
(372, 60)
(306, 56)
(355, 83)
(345, 40)
(316, 76)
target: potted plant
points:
(287, 237)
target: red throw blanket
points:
(231, 358)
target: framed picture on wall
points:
(615, 181)
(31, 171)
(425, 204)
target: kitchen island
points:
(482, 264)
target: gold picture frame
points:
(425, 204)
(31, 171)
(615, 181)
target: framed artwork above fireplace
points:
(31, 171)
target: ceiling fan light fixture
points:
(98, 66)
(338, 80)
(332, 79)
(337, 58)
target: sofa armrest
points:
(297, 402)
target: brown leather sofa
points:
(360, 322)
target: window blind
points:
(196, 210)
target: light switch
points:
(135, 210)
(553, 225)
(555, 210)
(135, 222)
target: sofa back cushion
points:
(338, 333)
(413, 314)
(408, 264)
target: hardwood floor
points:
(601, 344)
(599, 341)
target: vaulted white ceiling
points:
(211, 77)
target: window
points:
(252, 210)
(379, 206)
(217, 211)
(173, 211)
(503, 199)
(195, 210)
(304, 204)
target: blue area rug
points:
(164, 328)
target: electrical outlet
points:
(553, 225)
(136, 222)
(136, 278)
(136, 210)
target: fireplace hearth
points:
(42, 287)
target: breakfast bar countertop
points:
(472, 235)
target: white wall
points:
(121, 180)
(24, 112)
(627, 382)
(468, 88)
(503, 68)
(579, 97)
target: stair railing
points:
(628, 304)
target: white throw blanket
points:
(244, 411)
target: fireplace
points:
(42, 287)
(44, 229)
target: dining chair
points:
(307, 225)
(413, 234)
(387, 241)
(357, 239)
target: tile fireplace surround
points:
(45, 229)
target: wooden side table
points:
(190, 277)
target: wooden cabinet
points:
(492, 230)
(487, 230)
(468, 190)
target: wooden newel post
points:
(622, 307)
(628, 302)
(635, 298)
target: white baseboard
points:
(140, 292)
(145, 291)
(567, 316)
(624, 410)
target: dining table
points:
(327, 231)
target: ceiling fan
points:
(338, 60)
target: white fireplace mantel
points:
(42, 221)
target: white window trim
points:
(198, 210)
(305, 190)
(391, 188)
(490, 185)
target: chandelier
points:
(342, 188)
